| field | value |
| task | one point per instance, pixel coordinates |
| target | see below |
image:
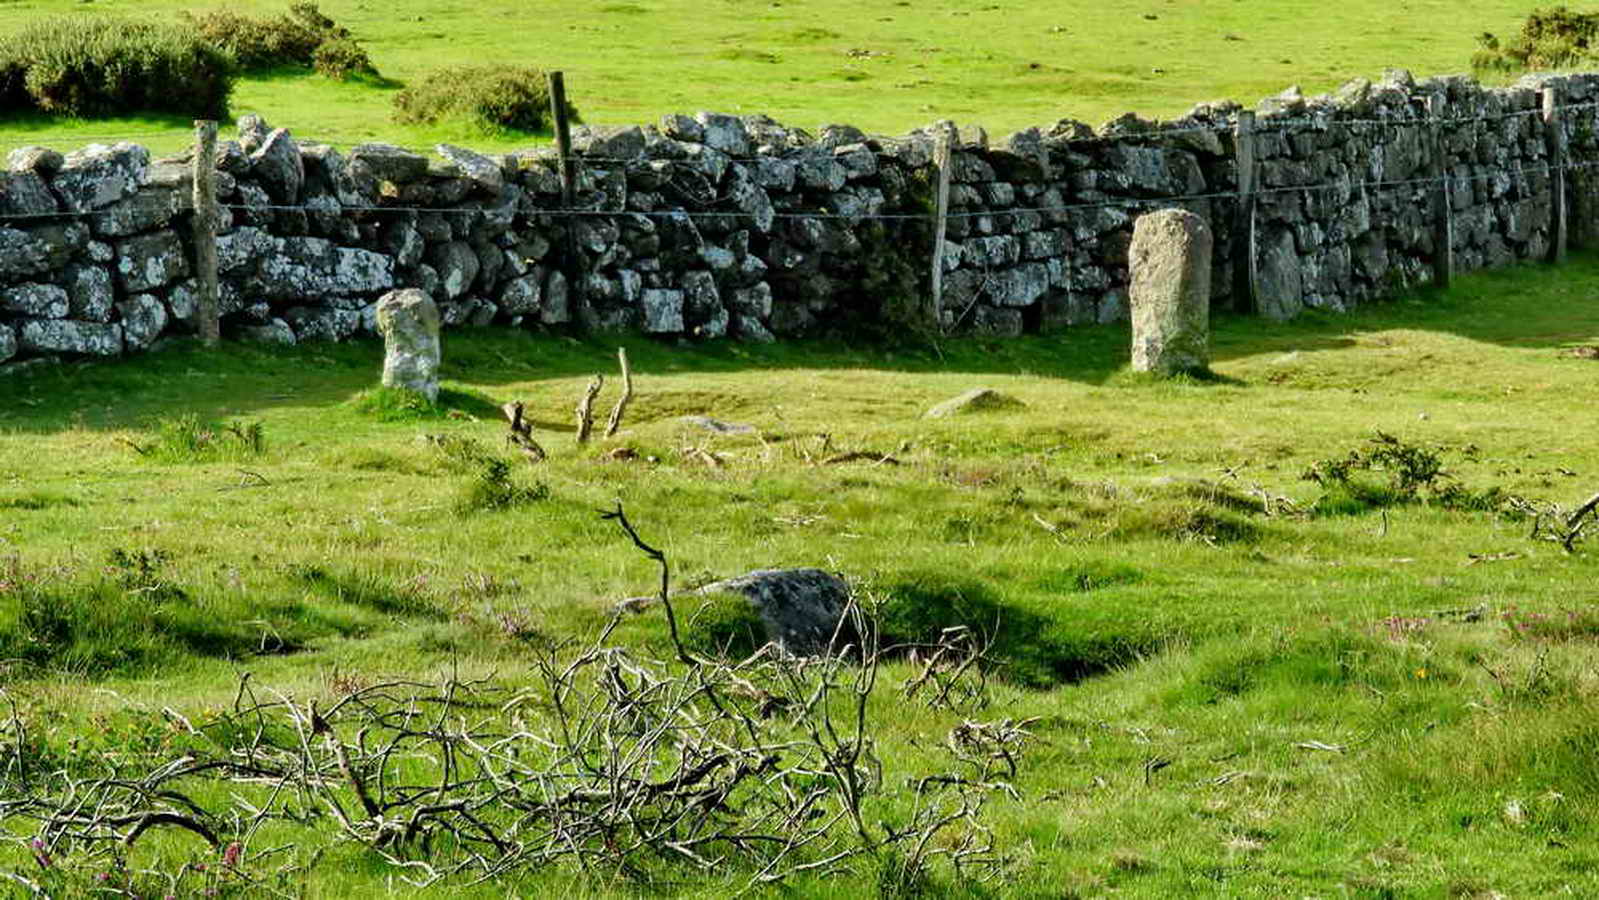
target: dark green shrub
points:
(1553, 38)
(490, 97)
(301, 37)
(108, 66)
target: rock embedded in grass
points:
(718, 426)
(800, 608)
(974, 400)
(275, 332)
(409, 322)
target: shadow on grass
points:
(1035, 651)
(367, 592)
(23, 127)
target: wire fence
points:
(1264, 124)
(125, 209)
(706, 211)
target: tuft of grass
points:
(495, 489)
(392, 404)
(34, 501)
(724, 625)
(189, 439)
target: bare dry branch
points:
(585, 409)
(615, 421)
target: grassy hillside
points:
(1245, 683)
(883, 65)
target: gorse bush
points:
(301, 37)
(491, 97)
(1413, 473)
(494, 488)
(109, 66)
(1551, 38)
(341, 58)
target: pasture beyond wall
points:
(716, 225)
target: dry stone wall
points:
(716, 225)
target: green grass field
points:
(1339, 698)
(882, 65)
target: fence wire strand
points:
(1446, 179)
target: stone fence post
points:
(1170, 292)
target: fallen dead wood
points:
(882, 459)
(522, 431)
(1582, 511)
(700, 454)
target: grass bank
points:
(1244, 683)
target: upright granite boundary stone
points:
(712, 225)
(1170, 261)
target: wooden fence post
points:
(1443, 222)
(942, 155)
(563, 136)
(205, 230)
(1245, 266)
(563, 147)
(1555, 136)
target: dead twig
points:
(521, 433)
(585, 409)
(1582, 511)
(615, 421)
(858, 455)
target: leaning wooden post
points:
(205, 229)
(563, 136)
(615, 422)
(563, 149)
(1245, 267)
(1443, 220)
(1555, 136)
(942, 155)
(585, 409)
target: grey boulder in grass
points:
(800, 609)
(409, 322)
